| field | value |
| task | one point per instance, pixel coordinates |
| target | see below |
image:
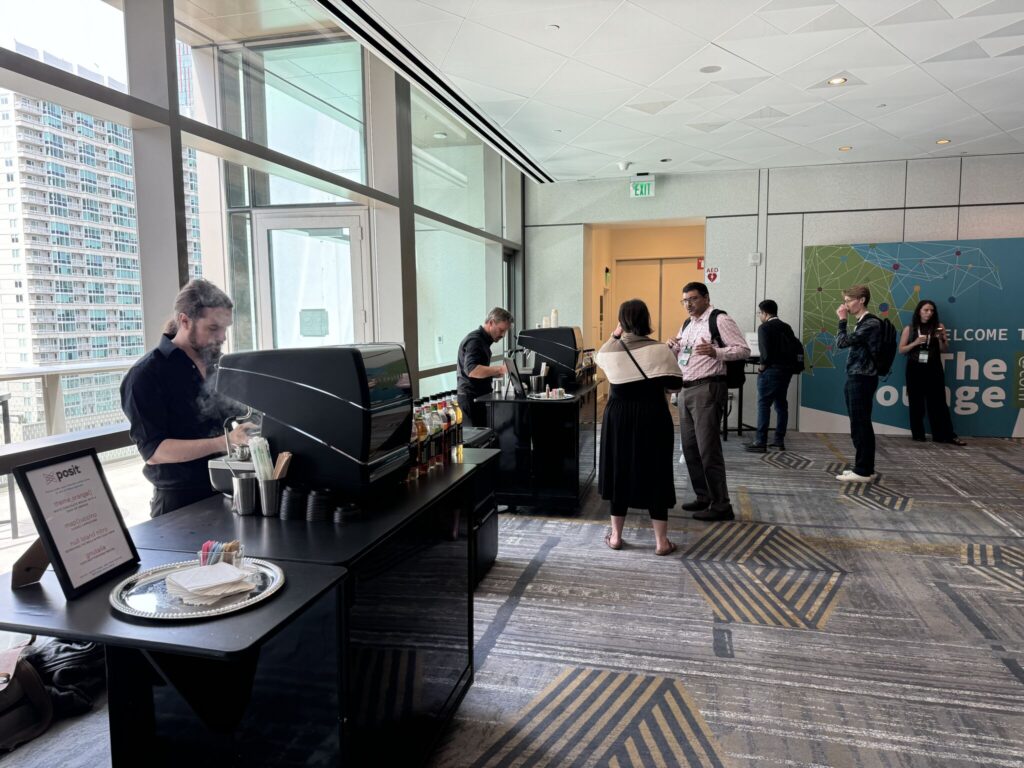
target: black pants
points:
(926, 392)
(619, 510)
(169, 499)
(860, 397)
(474, 414)
(772, 389)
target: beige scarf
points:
(654, 357)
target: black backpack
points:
(888, 344)
(734, 373)
(795, 351)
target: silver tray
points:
(542, 396)
(144, 594)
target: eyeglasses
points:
(692, 300)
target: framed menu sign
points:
(79, 524)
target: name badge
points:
(922, 355)
(684, 356)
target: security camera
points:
(624, 165)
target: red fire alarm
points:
(700, 262)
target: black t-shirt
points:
(474, 350)
(773, 342)
(164, 396)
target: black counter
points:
(362, 665)
(548, 447)
(186, 529)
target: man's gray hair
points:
(196, 297)
(499, 315)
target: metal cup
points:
(270, 497)
(536, 384)
(243, 493)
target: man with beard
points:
(176, 421)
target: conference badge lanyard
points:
(684, 356)
(922, 353)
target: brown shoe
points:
(667, 550)
(608, 541)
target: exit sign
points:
(642, 187)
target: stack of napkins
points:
(206, 584)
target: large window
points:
(83, 37)
(298, 91)
(458, 280)
(448, 163)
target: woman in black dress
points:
(637, 434)
(923, 342)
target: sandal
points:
(608, 541)
(667, 551)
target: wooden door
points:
(675, 273)
(637, 279)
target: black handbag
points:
(26, 709)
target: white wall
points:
(777, 212)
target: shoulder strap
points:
(713, 324)
(642, 373)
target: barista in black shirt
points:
(474, 365)
(176, 419)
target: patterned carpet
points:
(831, 625)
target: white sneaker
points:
(852, 477)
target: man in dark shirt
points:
(861, 378)
(474, 364)
(775, 340)
(176, 420)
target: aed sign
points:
(642, 187)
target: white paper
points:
(81, 518)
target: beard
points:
(209, 353)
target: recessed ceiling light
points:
(881, 106)
(837, 81)
(552, 27)
(942, 141)
(440, 135)
(558, 130)
(666, 159)
(711, 69)
(845, 149)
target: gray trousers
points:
(700, 422)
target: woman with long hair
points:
(923, 342)
(637, 434)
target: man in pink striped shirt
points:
(702, 402)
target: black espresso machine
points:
(344, 412)
(562, 349)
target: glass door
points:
(312, 287)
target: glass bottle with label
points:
(446, 424)
(453, 427)
(436, 433)
(413, 449)
(423, 442)
(459, 435)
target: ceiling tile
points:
(704, 19)
(531, 22)
(652, 152)
(995, 144)
(687, 77)
(921, 11)
(996, 8)
(865, 55)
(931, 114)
(859, 136)
(778, 53)
(577, 78)
(489, 57)
(611, 139)
(957, 75)
(546, 122)
(995, 93)
(774, 93)
(433, 39)
(790, 17)
(400, 13)
(813, 123)
(637, 45)
(456, 7)
(961, 131)
(873, 11)
(925, 40)
(904, 88)
(958, 8)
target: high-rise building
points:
(70, 288)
